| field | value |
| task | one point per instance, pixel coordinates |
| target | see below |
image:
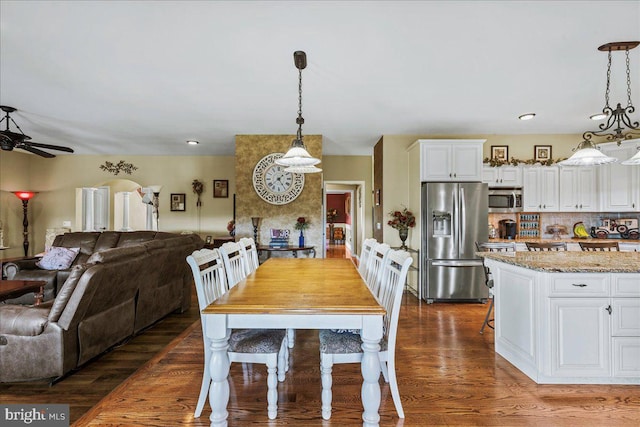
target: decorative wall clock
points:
(273, 184)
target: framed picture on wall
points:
(541, 153)
(221, 188)
(177, 201)
(500, 152)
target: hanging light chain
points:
(606, 93)
(629, 103)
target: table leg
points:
(371, 334)
(219, 369)
(38, 296)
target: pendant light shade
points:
(298, 159)
(586, 154)
(635, 160)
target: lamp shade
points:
(302, 169)
(297, 156)
(155, 188)
(635, 160)
(587, 155)
(24, 195)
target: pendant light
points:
(587, 154)
(298, 159)
(635, 160)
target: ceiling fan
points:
(10, 140)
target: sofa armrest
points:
(10, 269)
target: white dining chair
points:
(267, 346)
(488, 278)
(347, 347)
(374, 268)
(235, 263)
(365, 253)
(251, 254)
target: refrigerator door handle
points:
(455, 263)
(456, 220)
(462, 220)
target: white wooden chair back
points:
(234, 262)
(374, 269)
(251, 254)
(394, 275)
(208, 274)
(367, 246)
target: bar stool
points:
(488, 279)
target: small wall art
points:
(541, 153)
(178, 201)
(500, 152)
(221, 188)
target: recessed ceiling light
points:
(192, 142)
(527, 116)
(599, 116)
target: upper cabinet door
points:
(451, 160)
(620, 191)
(540, 189)
(578, 189)
(502, 176)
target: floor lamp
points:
(25, 196)
(155, 189)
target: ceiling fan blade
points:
(35, 151)
(49, 146)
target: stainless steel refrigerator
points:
(454, 217)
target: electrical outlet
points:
(378, 225)
(66, 223)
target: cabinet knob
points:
(580, 206)
(608, 309)
(449, 175)
(576, 206)
(579, 285)
(455, 175)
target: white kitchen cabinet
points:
(580, 337)
(502, 176)
(577, 189)
(568, 328)
(619, 187)
(451, 160)
(540, 189)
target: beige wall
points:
(56, 180)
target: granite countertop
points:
(570, 262)
(564, 239)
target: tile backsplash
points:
(590, 219)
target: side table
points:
(15, 288)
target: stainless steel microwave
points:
(505, 199)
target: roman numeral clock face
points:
(273, 184)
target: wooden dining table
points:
(303, 293)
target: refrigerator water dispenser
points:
(441, 224)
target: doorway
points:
(344, 218)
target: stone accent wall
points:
(249, 150)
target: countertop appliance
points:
(454, 218)
(507, 229)
(505, 199)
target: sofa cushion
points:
(22, 320)
(65, 293)
(107, 240)
(58, 258)
(116, 254)
(133, 238)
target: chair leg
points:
(486, 318)
(393, 383)
(326, 366)
(272, 386)
(291, 337)
(385, 371)
(204, 388)
(282, 360)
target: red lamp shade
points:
(24, 195)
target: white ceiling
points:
(141, 77)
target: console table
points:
(15, 288)
(311, 250)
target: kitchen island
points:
(568, 317)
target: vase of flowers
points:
(402, 221)
(301, 224)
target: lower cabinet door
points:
(626, 357)
(580, 337)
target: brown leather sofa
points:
(121, 283)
